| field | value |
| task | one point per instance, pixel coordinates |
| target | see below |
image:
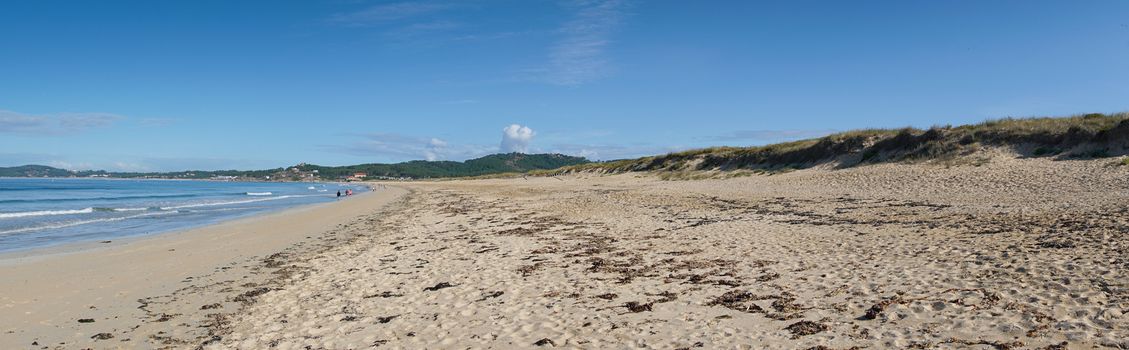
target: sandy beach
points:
(565, 174)
(1010, 254)
(157, 291)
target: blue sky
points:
(172, 85)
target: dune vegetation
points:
(1084, 136)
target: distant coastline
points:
(303, 172)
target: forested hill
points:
(418, 169)
(33, 171)
(491, 164)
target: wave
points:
(66, 212)
(83, 222)
(105, 209)
(197, 205)
(47, 188)
(131, 209)
(117, 198)
(120, 209)
(45, 213)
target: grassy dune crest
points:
(1092, 135)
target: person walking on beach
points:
(338, 194)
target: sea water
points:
(40, 212)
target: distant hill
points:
(492, 164)
(34, 171)
(1092, 135)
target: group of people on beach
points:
(349, 192)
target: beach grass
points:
(1082, 136)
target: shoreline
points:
(48, 290)
(66, 246)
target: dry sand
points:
(1013, 254)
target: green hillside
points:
(492, 164)
(33, 171)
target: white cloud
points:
(57, 124)
(435, 149)
(516, 138)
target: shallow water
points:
(40, 212)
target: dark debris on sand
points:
(805, 327)
(102, 336)
(635, 306)
(439, 286)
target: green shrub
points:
(1046, 151)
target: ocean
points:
(41, 212)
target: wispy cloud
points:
(135, 163)
(415, 30)
(155, 122)
(579, 56)
(174, 163)
(465, 101)
(397, 147)
(492, 36)
(769, 135)
(130, 167)
(388, 12)
(403, 22)
(74, 166)
(612, 151)
(52, 125)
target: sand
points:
(1010, 254)
(149, 292)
